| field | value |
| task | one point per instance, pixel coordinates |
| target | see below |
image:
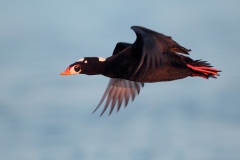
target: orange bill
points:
(66, 72)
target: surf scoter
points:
(153, 57)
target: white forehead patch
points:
(81, 60)
(101, 59)
(85, 61)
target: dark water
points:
(45, 116)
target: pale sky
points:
(46, 116)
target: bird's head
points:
(87, 65)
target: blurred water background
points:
(44, 116)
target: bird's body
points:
(153, 57)
(174, 67)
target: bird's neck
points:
(96, 67)
(99, 68)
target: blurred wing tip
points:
(96, 108)
(117, 92)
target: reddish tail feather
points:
(203, 69)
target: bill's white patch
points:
(73, 71)
(100, 59)
(85, 61)
(81, 60)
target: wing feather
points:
(150, 46)
(117, 91)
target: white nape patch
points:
(85, 61)
(100, 59)
(81, 60)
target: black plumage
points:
(153, 57)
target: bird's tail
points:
(203, 69)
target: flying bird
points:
(153, 57)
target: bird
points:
(153, 57)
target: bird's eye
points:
(77, 68)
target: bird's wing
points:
(117, 91)
(120, 46)
(150, 46)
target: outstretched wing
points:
(120, 46)
(119, 90)
(150, 46)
